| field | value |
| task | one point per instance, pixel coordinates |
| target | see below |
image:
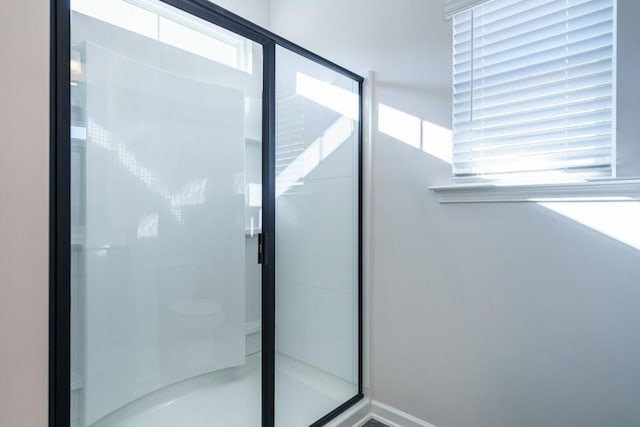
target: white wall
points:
(24, 190)
(482, 315)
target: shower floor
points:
(232, 398)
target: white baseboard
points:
(350, 417)
(395, 417)
(367, 409)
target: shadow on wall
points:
(618, 220)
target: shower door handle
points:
(260, 248)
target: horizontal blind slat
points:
(593, 130)
(538, 116)
(529, 20)
(537, 103)
(596, 43)
(545, 91)
(541, 79)
(591, 21)
(585, 172)
(535, 163)
(509, 50)
(585, 158)
(576, 143)
(557, 64)
(518, 129)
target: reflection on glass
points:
(316, 241)
(343, 101)
(165, 165)
(165, 24)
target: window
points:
(533, 89)
(174, 28)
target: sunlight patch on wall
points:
(618, 220)
(437, 141)
(402, 126)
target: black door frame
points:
(60, 213)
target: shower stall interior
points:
(206, 221)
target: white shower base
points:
(232, 398)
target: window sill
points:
(606, 190)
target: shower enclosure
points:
(205, 221)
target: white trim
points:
(370, 123)
(368, 409)
(363, 420)
(597, 190)
(388, 414)
(354, 416)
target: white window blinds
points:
(533, 88)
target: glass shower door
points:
(166, 208)
(317, 240)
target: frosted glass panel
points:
(162, 318)
(316, 240)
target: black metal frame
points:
(60, 221)
(59, 218)
(269, 233)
